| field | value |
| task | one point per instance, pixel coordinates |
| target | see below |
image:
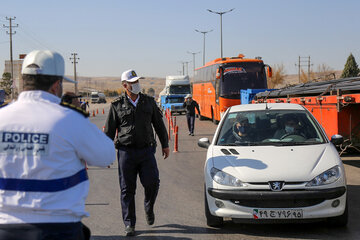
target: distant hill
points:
(114, 83)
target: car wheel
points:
(211, 221)
(339, 221)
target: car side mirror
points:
(337, 139)
(204, 143)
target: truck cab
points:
(172, 96)
(98, 97)
(174, 103)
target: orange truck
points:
(216, 86)
(335, 104)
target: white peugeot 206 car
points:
(273, 163)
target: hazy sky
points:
(153, 37)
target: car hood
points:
(273, 163)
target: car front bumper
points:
(312, 203)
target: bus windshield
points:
(242, 75)
(179, 89)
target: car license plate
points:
(277, 213)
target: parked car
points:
(273, 163)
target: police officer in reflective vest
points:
(133, 116)
(44, 146)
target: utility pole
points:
(193, 53)
(74, 61)
(302, 65)
(221, 13)
(187, 69)
(183, 67)
(203, 32)
(10, 32)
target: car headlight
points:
(327, 177)
(225, 179)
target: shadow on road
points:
(315, 230)
(138, 236)
(354, 163)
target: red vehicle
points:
(217, 84)
(335, 104)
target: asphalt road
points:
(179, 208)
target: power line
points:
(74, 61)
(29, 34)
(302, 65)
(10, 32)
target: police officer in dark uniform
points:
(132, 116)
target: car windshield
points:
(270, 127)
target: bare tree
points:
(278, 76)
(324, 72)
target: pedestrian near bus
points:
(133, 116)
(190, 106)
(44, 146)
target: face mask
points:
(242, 129)
(135, 88)
(289, 129)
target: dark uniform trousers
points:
(133, 161)
(190, 122)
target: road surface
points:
(180, 205)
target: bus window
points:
(242, 76)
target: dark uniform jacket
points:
(190, 107)
(135, 124)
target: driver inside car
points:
(291, 127)
(242, 130)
